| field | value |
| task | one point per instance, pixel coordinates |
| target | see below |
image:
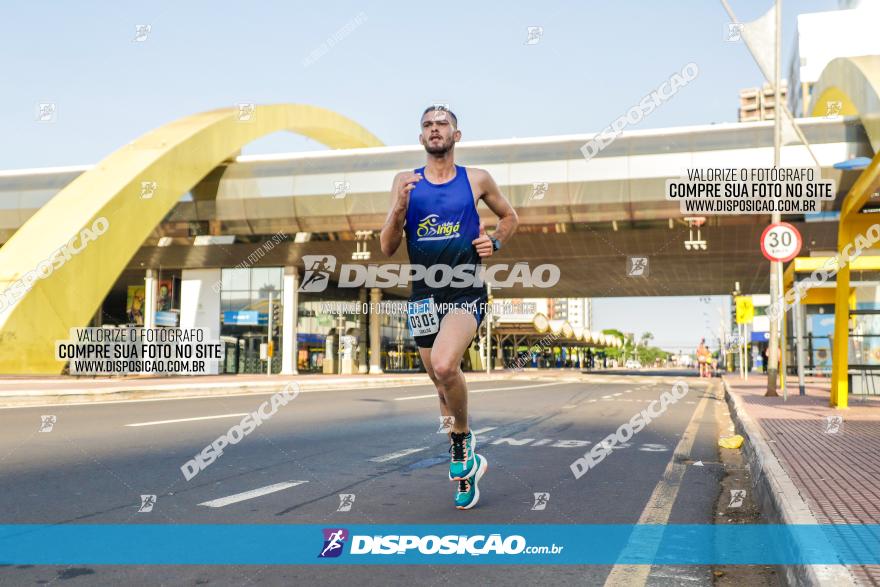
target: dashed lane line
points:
(398, 454)
(230, 499)
(157, 422)
(472, 391)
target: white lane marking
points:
(677, 577)
(606, 397)
(471, 391)
(397, 455)
(187, 419)
(659, 506)
(617, 394)
(408, 451)
(223, 501)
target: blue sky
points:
(594, 58)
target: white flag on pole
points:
(760, 37)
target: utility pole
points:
(776, 266)
(799, 345)
(488, 328)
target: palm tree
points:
(642, 342)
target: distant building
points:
(576, 311)
(579, 312)
(757, 104)
(542, 305)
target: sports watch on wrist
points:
(496, 244)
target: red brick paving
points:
(837, 474)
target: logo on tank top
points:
(431, 229)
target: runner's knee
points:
(446, 370)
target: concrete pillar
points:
(200, 304)
(362, 333)
(151, 289)
(290, 317)
(375, 331)
(330, 353)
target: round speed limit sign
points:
(781, 242)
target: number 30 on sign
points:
(781, 242)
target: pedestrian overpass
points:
(182, 198)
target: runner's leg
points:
(425, 353)
(457, 330)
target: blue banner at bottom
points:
(287, 544)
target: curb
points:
(181, 391)
(778, 497)
(36, 398)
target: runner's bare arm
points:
(392, 230)
(491, 194)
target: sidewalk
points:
(817, 469)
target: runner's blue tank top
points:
(441, 223)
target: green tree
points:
(623, 352)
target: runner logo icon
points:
(541, 500)
(346, 500)
(334, 541)
(317, 274)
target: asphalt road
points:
(382, 446)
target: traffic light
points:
(276, 317)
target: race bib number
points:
(423, 317)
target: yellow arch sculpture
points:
(59, 266)
(854, 82)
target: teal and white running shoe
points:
(468, 493)
(462, 465)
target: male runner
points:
(435, 208)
